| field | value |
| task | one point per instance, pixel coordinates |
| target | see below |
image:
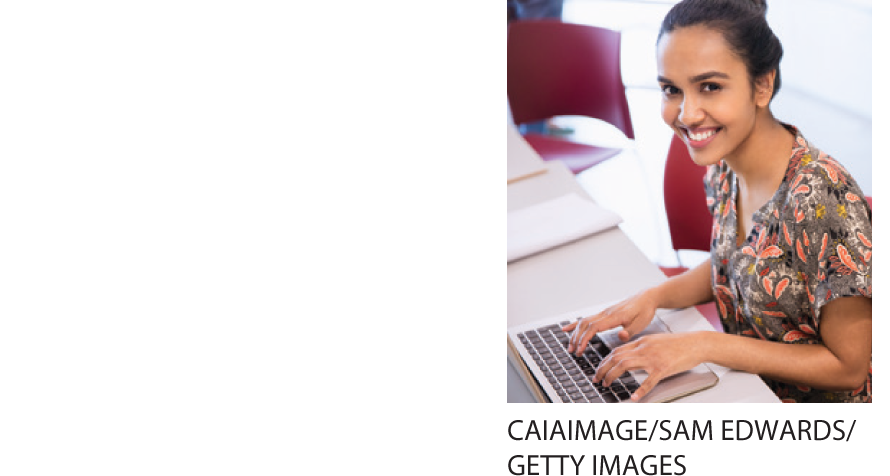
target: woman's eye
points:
(669, 90)
(710, 87)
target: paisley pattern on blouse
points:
(810, 244)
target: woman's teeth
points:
(701, 135)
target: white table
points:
(573, 276)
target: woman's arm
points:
(687, 289)
(840, 363)
(634, 314)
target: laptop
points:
(553, 375)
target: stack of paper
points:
(553, 223)
(522, 160)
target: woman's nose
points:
(691, 112)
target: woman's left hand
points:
(660, 355)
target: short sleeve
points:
(834, 240)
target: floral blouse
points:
(810, 244)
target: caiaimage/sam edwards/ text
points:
(684, 430)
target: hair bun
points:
(760, 5)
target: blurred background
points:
(826, 92)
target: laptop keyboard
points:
(571, 375)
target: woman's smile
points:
(700, 136)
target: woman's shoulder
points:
(821, 192)
(817, 169)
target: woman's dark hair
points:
(743, 25)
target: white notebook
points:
(553, 223)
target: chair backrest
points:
(685, 202)
(565, 69)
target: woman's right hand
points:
(634, 314)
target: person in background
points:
(791, 257)
(534, 9)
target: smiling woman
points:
(791, 236)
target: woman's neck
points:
(761, 161)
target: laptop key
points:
(609, 398)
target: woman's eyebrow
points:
(705, 76)
(697, 78)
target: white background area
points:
(826, 92)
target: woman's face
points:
(707, 96)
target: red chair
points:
(689, 220)
(684, 200)
(565, 69)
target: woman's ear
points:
(763, 88)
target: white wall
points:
(826, 70)
(826, 74)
